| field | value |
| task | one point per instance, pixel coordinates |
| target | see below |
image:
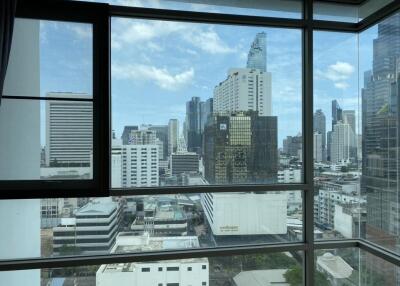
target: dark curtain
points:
(7, 15)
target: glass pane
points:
(82, 226)
(380, 122)
(50, 58)
(257, 269)
(196, 104)
(271, 8)
(46, 139)
(351, 12)
(353, 266)
(339, 207)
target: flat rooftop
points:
(127, 242)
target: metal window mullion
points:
(379, 15)
(206, 189)
(203, 17)
(308, 165)
(102, 105)
(379, 251)
(71, 261)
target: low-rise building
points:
(161, 218)
(325, 202)
(350, 220)
(92, 230)
(194, 271)
(268, 277)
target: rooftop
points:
(334, 265)
(136, 242)
(261, 278)
(99, 206)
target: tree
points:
(294, 277)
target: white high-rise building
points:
(69, 130)
(20, 152)
(116, 163)
(140, 166)
(349, 117)
(194, 271)
(244, 89)
(343, 145)
(246, 213)
(318, 151)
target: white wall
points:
(249, 214)
(20, 153)
(343, 222)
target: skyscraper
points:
(320, 126)
(127, 132)
(343, 146)
(257, 57)
(349, 116)
(243, 90)
(336, 112)
(317, 146)
(380, 129)
(241, 148)
(162, 135)
(380, 126)
(207, 110)
(69, 130)
(173, 133)
(193, 125)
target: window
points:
(51, 97)
(174, 63)
(212, 162)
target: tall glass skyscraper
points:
(380, 129)
(257, 57)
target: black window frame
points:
(98, 185)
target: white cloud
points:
(338, 73)
(207, 40)
(127, 31)
(82, 31)
(161, 77)
(341, 85)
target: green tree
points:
(294, 277)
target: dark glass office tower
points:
(336, 112)
(193, 125)
(380, 129)
(161, 134)
(241, 147)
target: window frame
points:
(97, 16)
(100, 15)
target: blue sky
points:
(157, 66)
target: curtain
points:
(7, 15)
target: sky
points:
(157, 66)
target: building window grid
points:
(308, 244)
